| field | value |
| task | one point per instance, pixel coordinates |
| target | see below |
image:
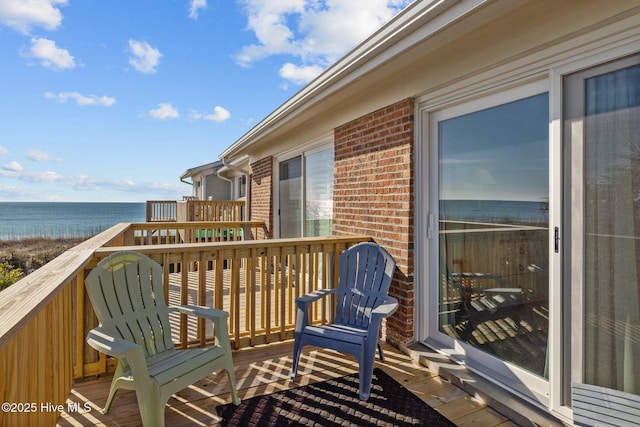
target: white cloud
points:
(316, 32)
(144, 57)
(4, 151)
(48, 176)
(22, 15)
(50, 55)
(195, 6)
(13, 167)
(38, 155)
(12, 192)
(268, 20)
(300, 74)
(220, 114)
(164, 111)
(79, 183)
(81, 100)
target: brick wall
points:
(262, 193)
(373, 195)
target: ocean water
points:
(495, 211)
(20, 220)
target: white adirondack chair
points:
(127, 295)
(366, 270)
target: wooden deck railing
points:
(159, 233)
(44, 318)
(195, 210)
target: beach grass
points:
(29, 254)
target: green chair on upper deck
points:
(128, 298)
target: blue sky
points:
(114, 100)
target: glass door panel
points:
(290, 192)
(603, 168)
(494, 231)
(318, 193)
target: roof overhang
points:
(189, 173)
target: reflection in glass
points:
(290, 197)
(493, 230)
(318, 193)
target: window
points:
(241, 186)
(305, 194)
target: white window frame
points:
(498, 370)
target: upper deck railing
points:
(44, 318)
(195, 210)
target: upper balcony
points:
(44, 319)
(192, 209)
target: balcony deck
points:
(255, 281)
(264, 370)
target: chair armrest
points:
(128, 352)
(386, 309)
(218, 317)
(304, 300)
(208, 313)
(110, 345)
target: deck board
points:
(264, 370)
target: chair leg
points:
(365, 376)
(232, 385)
(115, 386)
(297, 349)
(380, 351)
(151, 407)
(112, 395)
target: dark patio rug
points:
(335, 403)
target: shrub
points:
(8, 275)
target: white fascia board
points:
(418, 21)
(198, 169)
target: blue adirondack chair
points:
(127, 296)
(361, 299)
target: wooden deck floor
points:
(264, 370)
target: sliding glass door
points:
(602, 202)
(490, 199)
(532, 243)
(305, 193)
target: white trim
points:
(557, 298)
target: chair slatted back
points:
(366, 270)
(127, 296)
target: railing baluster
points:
(202, 295)
(184, 293)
